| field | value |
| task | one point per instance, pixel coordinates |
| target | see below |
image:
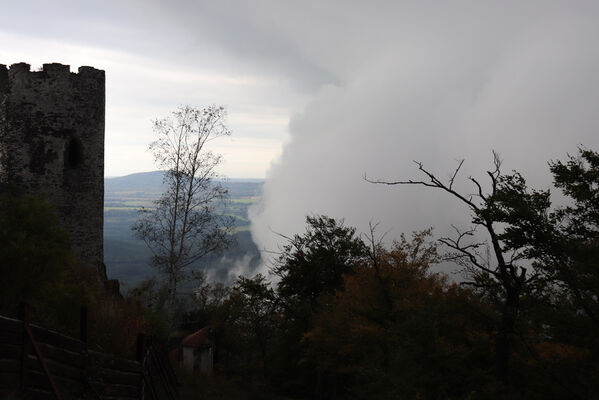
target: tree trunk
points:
(172, 290)
(505, 336)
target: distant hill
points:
(128, 258)
(142, 181)
(152, 182)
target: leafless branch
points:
(433, 182)
(455, 173)
(478, 187)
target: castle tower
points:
(52, 144)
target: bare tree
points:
(187, 222)
(499, 266)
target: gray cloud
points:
(260, 35)
(388, 82)
(159, 55)
(446, 81)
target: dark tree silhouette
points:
(568, 249)
(314, 263)
(504, 213)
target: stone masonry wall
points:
(52, 144)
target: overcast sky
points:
(321, 92)
(160, 55)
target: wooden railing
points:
(43, 364)
(160, 381)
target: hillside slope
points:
(128, 259)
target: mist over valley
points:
(127, 258)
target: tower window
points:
(73, 153)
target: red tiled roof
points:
(196, 339)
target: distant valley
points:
(128, 259)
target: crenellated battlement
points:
(52, 144)
(51, 69)
(20, 71)
(55, 69)
(3, 79)
(19, 68)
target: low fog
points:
(433, 83)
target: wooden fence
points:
(43, 364)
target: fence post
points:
(83, 324)
(24, 315)
(139, 356)
(140, 350)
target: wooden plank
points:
(68, 388)
(26, 371)
(53, 338)
(10, 323)
(11, 331)
(9, 380)
(57, 369)
(31, 393)
(116, 378)
(10, 366)
(9, 394)
(71, 358)
(120, 377)
(112, 362)
(11, 338)
(10, 351)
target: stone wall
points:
(52, 144)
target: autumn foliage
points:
(344, 316)
(396, 327)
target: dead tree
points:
(495, 264)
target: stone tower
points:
(52, 144)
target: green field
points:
(127, 258)
(245, 200)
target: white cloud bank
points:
(445, 81)
(374, 85)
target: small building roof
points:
(196, 339)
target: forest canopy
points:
(344, 315)
(351, 317)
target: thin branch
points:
(434, 183)
(479, 188)
(455, 173)
(464, 251)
